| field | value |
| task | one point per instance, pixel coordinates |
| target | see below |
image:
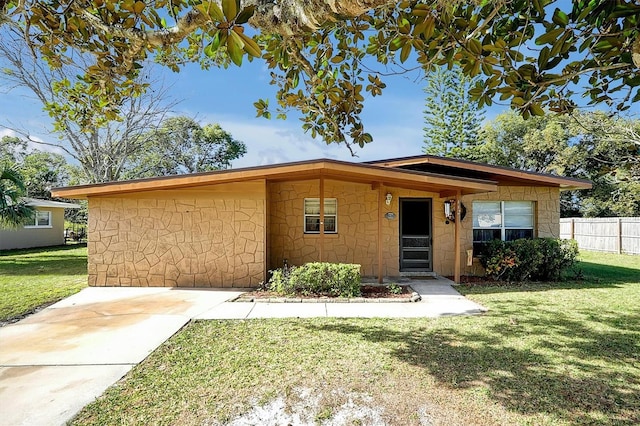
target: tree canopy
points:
(452, 120)
(180, 145)
(326, 56)
(593, 145)
(99, 143)
(13, 209)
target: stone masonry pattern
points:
(217, 236)
(356, 239)
(183, 242)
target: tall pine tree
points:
(452, 119)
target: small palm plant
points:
(13, 210)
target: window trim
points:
(503, 228)
(35, 225)
(305, 215)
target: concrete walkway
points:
(439, 298)
(55, 362)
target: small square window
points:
(312, 215)
(42, 219)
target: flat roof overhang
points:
(445, 185)
(502, 175)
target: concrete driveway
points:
(55, 362)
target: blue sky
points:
(226, 96)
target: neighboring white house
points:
(46, 229)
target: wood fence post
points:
(572, 229)
(619, 235)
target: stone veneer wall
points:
(547, 216)
(198, 237)
(356, 240)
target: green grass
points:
(552, 354)
(36, 277)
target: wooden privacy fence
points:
(608, 234)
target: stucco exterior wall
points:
(358, 212)
(35, 237)
(211, 236)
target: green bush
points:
(317, 278)
(538, 259)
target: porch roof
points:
(446, 185)
(500, 174)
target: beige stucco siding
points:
(359, 209)
(209, 236)
(35, 237)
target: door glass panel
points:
(417, 255)
(415, 238)
(416, 217)
(415, 241)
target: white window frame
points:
(35, 223)
(503, 227)
(326, 215)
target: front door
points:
(415, 235)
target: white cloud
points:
(33, 143)
(277, 141)
(7, 132)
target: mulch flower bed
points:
(472, 279)
(369, 293)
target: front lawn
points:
(558, 354)
(36, 277)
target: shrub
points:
(318, 278)
(538, 259)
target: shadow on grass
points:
(41, 250)
(610, 273)
(494, 288)
(583, 372)
(44, 261)
(594, 275)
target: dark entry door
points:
(415, 235)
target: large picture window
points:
(501, 220)
(42, 219)
(312, 215)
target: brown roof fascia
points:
(498, 173)
(311, 169)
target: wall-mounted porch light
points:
(450, 211)
(388, 198)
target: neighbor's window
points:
(501, 220)
(312, 215)
(42, 219)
